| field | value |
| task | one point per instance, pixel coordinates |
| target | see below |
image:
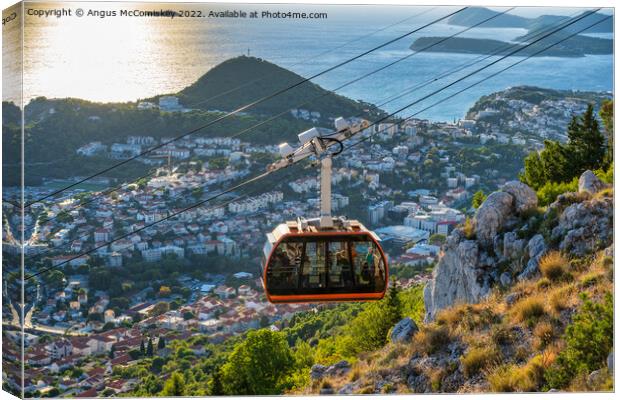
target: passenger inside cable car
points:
(343, 264)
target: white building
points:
(169, 103)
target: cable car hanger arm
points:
(313, 144)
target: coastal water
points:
(124, 59)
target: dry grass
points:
(511, 378)
(502, 335)
(463, 318)
(435, 377)
(561, 298)
(553, 265)
(590, 279)
(543, 283)
(607, 192)
(432, 338)
(356, 373)
(544, 334)
(479, 358)
(528, 309)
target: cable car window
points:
(368, 266)
(285, 266)
(314, 271)
(339, 265)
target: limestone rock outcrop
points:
(508, 241)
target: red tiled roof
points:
(88, 393)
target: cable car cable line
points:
(274, 117)
(243, 108)
(326, 138)
(317, 55)
(146, 226)
(300, 62)
(495, 74)
(265, 174)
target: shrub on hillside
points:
(589, 339)
(511, 378)
(553, 265)
(543, 332)
(528, 309)
(479, 358)
(432, 338)
(551, 190)
(469, 229)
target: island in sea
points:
(577, 46)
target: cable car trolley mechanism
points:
(326, 258)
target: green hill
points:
(265, 78)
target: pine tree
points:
(112, 349)
(560, 163)
(216, 388)
(586, 142)
(607, 115)
(394, 306)
(161, 343)
(149, 348)
(175, 386)
(142, 351)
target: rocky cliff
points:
(508, 237)
(510, 284)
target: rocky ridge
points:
(499, 247)
(488, 271)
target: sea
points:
(112, 58)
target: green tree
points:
(586, 142)
(437, 239)
(174, 386)
(198, 192)
(215, 385)
(370, 328)
(149, 348)
(393, 306)
(142, 349)
(607, 115)
(259, 365)
(55, 278)
(161, 343)
(478, 199)
(159, 309)
(560, 163)
(589, 339)
(64, 217)
(157, 364)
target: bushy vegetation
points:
(589, 338)
(478, 198)
(553, 265)
(260, 364)
(478, 358)
(512, 378)
(556, 168)
(528, 309)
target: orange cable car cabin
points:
(303, 263)
(322, 259)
